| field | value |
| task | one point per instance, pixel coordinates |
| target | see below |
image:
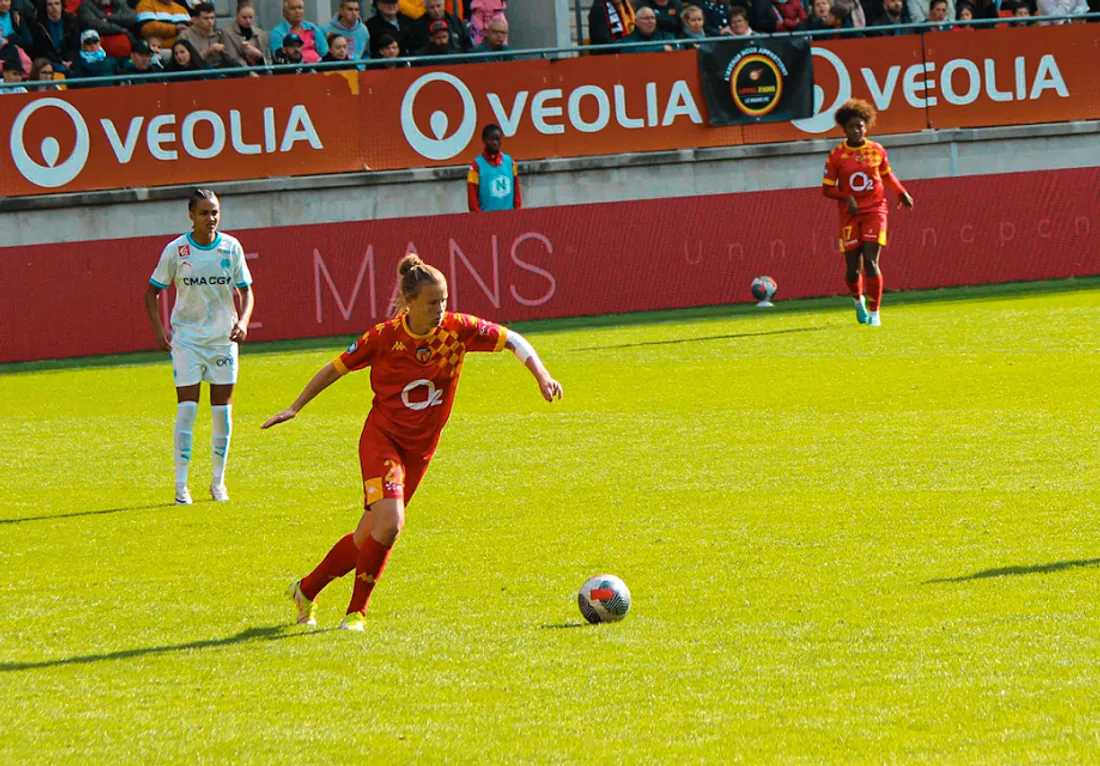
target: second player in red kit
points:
(856, 175)
(415, 360)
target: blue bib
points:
(496, 189)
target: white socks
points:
(222, 429)
(185, 425)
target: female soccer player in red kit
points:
(855, 175)
(415, 360)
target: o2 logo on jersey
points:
(434, 396)
(860, 181)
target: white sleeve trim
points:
(521, 347)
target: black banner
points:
(749, 80)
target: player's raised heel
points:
(353, 622)
(307, 610)
(183, 495)
(862, 315)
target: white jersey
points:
(204, 312)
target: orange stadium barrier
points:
(154, 135)
(542, 263)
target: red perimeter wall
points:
(85, 298)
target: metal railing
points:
(530, 53)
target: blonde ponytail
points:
(412, 275)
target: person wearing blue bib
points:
(492, 182)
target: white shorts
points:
(213, 364)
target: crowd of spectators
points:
(45, 41)
(671, 24)
(50, 44)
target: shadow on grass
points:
(85, 513)
(705, 338)
(272, 633)
(563, 625)
(1056, 566)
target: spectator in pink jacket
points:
(482, 12)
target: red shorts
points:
(388, 470)
(862, 227)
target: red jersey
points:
(414, 377)
(858, 172)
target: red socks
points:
(855, 288)
(874, 292)
(368, 568)
(339, 561)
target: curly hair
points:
(854, 107)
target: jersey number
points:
(434, 395)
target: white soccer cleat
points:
(219, 493)
(307, 610)
(183, 495)
(873, 319)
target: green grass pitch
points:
(845, 544)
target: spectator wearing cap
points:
(668, 14)
(290, 53)
(93, 61)
(647, 31)
(12, 27)
(143, 61)
(434, 11)
(212, 44)
(249, 41)
(388, 20)
(13, 72)
(349, 24)
(492, 182)
(311, 35)
(439, 41)
(609, 21)
(496, 40)
(161, 18)
(55, 35)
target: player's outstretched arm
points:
(322, 380)
(525, 352)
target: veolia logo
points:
(822, 119)
(441, 147)
(51, 175)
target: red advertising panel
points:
(194, 132)
(151, 135)
(1011, 76)
(328, 279)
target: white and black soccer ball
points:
(763, 288)
(604, 598)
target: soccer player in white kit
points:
(208, 268)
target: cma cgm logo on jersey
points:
(164, 141)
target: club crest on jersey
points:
(423, 354)
(185, 251)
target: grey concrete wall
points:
(324, 199)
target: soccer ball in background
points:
(763, 289)
(604, 598)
